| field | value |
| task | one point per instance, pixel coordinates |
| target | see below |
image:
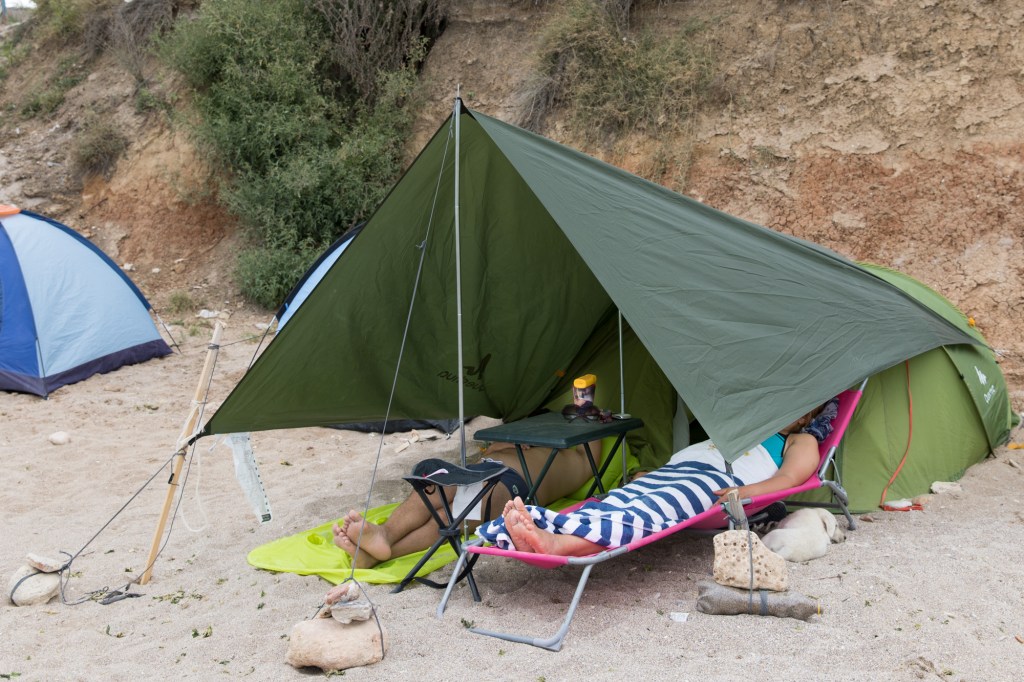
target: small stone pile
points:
(344, 636)
(37, 582)
(731, 592)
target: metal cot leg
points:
(553, 643)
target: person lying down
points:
(693, 481)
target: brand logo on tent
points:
(474, 376)
(991, 392)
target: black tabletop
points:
(554, 431)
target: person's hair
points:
(815, 412)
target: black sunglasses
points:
(587, 411)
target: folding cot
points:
(714, 518)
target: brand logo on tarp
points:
(981, 376)
(473, 376)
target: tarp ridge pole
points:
(187, 430)
(458, 276)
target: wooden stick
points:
(179, 457)
(736, 508)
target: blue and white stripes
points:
(646, 506)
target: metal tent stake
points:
(179, 457)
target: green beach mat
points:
(312, 552)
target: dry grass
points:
(368, 41)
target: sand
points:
(933, 594)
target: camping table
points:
(554, 431)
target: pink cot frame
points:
(709, 520)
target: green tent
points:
(926, 419)
(751, 327)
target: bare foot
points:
(516, 529)
(539, 541)
(362, 559)
(369, 536)
(542, 541)
(351, 517)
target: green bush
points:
(13, 53)
(610, 82)
(181, 302)
(97, 146)
(45, 100)
(304, 155)
(60, 19)
(73, 22)
(257, 67)
(267, 275)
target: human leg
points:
(410, 528)
(568, 471)
(411, 516)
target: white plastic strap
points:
(248, 475)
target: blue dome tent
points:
(67, 311)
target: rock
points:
(346, 603)
(44, 564)
(346, 591)
(716, 599)
(327, 644)
(346, 612)
(37, 588)
(60, 438)
(943, 487)
(732, 563)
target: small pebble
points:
(60, 438)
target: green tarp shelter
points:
(750, 326)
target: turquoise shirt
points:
(774, 444)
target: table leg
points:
(524, 468)
(593, 468)
(535, 485)
(604, 467)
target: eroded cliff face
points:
(889, 131)
(892, 132)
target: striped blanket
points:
(645, 506)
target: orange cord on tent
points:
(910, 434)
